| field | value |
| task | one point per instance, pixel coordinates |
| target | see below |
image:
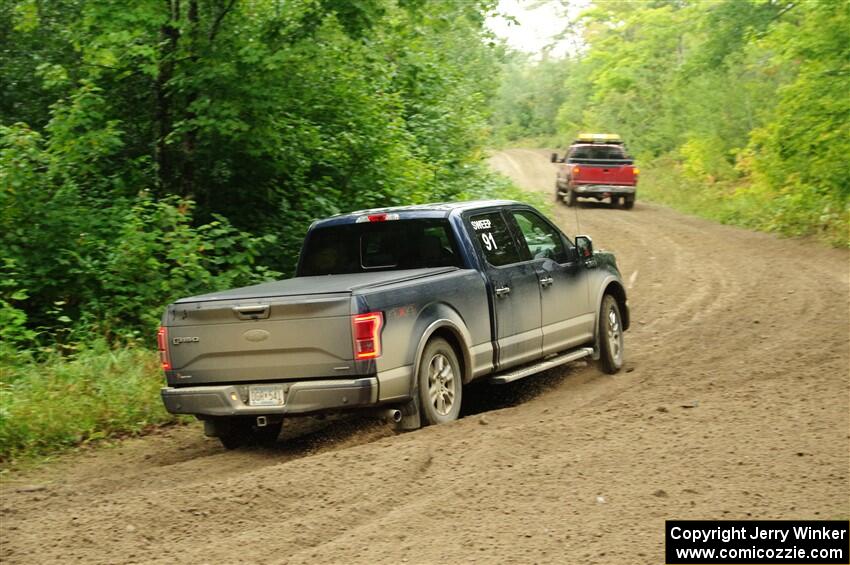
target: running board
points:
(529, 370)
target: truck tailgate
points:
(604, 174)
(268, 338)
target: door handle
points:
(546, 281)
(503, 291)
(252, 312)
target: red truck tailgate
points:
(603, 174)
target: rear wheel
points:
(440, 383)
(267, 435)
(610, 340)
(238, 432)
(233, 432)
(571, 198)
(629, 202)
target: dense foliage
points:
(156, 149)
(152, 150)
(741, 109)
(63, 401)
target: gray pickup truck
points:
(393, 311)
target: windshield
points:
(597, 152)
(378, 246)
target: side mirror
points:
(555, 158)
(585, 247)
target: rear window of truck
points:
(601, 152)
(378, 246)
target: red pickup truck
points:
(597, 166)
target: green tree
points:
(257, 116)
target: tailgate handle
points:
(252, 312)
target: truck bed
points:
(295, 328)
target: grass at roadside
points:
(796, 213)
(49, 406)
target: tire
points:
(629, 202)
(440, 383)
(234, 432)
(616, 201)
(239, 432)
(571, 198)
(267, 435)
(610, 336)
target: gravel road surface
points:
(734, 403)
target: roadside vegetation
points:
(149, 152)
(62, 401)
(736, 111)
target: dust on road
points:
(735, 403)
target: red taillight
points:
(366, 329)
(382, 217)
(576, 170)
(162, 345)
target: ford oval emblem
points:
(256, 335)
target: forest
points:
(153, 150)
(737, 110)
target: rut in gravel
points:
(734, 403)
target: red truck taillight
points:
(576, 170)
(366, 329)
(382, 217)
(162, 345)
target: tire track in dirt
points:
(734, 404)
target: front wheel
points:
(610, 339)
(440, 383)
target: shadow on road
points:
(483, 397)
(595, 204)
(305, 436)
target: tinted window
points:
(390, 245)
(544, 241)
(597, 152)
(495, 238)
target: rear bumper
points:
(303, 397)
(603, 189)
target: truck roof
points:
(435, 210)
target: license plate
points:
(265, 395)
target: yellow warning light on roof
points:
(599, 138)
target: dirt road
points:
(735, 404)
